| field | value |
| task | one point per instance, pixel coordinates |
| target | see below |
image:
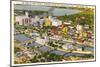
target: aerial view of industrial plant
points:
(53, 33)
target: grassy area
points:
(86, 57)
(46, 57)
(88, 18)
(27, 35)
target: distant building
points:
(36, 21)
(24, 19)
(47, 22)
(86, 27)
(67, 23)
(79, 27)
(56, 22)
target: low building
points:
(56, 22)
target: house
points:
(56, 22)
(79, 27)
(36, 21)
(47, 22)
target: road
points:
(46, 48)
(58, 51)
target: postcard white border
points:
(50, 4)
